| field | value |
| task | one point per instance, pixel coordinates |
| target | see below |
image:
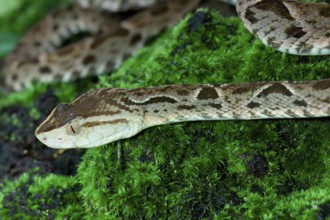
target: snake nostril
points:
(44, 139)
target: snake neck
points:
(260, 100)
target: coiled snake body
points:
(106, 115)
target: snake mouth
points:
(48, 140)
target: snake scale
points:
(106, 115)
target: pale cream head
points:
(89, 121)
(84, 133)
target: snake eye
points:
(73, 128)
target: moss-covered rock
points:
(268, 169)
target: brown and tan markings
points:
(207, 93)
(287, 25)
(278, 88)
(138, 109)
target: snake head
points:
(79, 125)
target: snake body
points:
(113, 39)
(106, 115)
(286, 25)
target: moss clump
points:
(39, 197)
(228, 169)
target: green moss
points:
(269, 169)
(41, 198)
(19, 15)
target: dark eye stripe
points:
(96, 123)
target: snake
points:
(106, 115)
